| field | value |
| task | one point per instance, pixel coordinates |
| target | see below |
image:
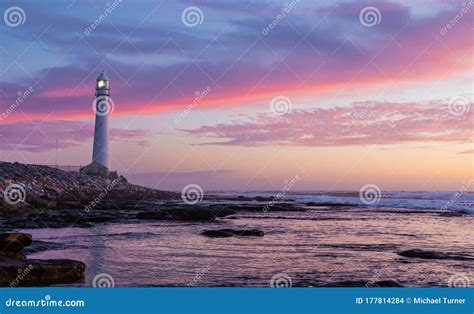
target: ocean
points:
(349, 245)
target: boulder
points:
(14, 242)
(221, 233)
(249, 233)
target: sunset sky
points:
(326, 93)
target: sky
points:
(246, 95)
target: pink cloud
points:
(362, 123)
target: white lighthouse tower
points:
(102, 106)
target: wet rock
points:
(326, 204)
(40, 272)
(4, 255)
(244, 198)
(418, 253)
(266, 207)
(384, 284)
(250, 233)
(14, 242)
(263, 199)
(362, 247)
(184, 214)
(155, 215)
(16, 270)
(224, 233)
(452, 214)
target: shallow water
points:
(315, 247)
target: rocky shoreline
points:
(42, 187)
(42, 197)
(51, 198)
(16, 270)
(35, 196)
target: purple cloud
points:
(158, 64)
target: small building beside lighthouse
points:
(103, 107)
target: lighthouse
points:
(102, 107)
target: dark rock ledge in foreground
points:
(16, 270)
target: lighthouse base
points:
(95, 169)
